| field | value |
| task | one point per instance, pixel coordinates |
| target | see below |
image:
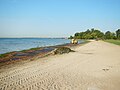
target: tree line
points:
(96, 34)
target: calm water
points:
(17, 44)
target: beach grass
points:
(117, 42)
(2, 55)
(5, 54)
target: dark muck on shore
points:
(32, 53)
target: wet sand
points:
(94, 66)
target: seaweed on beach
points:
(35, 52)
(22, 55)
(62, 50)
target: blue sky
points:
(57, 18)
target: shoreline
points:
(87, 68)
(32, 53)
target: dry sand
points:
(94, 66)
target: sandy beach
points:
(94, 66)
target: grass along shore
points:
(117, 42)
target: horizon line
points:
(33, 37)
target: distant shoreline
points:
(36, 37)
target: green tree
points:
(89, 34)
(95, 34)
(108, 35)
(71, 37)
(118, 34)
(113, 35)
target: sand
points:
(94, 66)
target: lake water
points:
(17, 44)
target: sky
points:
(57, 18)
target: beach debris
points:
(32, 53)
(62, 50)
(25, 54)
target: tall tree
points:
(89, 34)
(108, 35)
(118, 34)
(71, 37)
